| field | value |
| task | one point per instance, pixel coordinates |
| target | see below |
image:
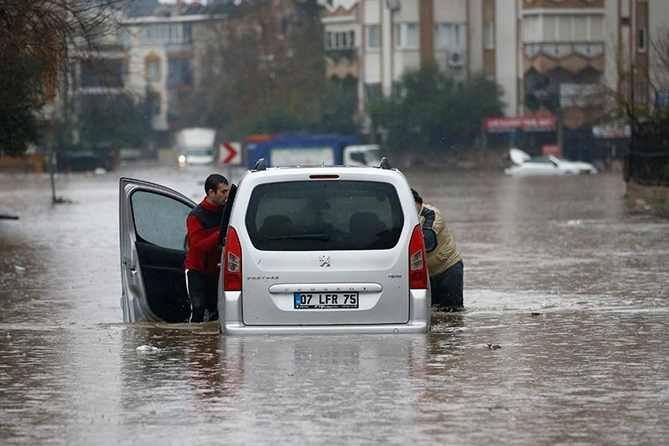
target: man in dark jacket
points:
(204, 255)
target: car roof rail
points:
(260, 164)
(385, 164)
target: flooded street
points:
(569, 282)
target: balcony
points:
(337, 54)
(573, 57)
(342, 63)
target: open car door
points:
(152, 227)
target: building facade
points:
(573, 59)
(168, 55)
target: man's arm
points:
(433, 219)
(197, 235)
(428, 217)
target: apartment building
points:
(168, 53)
(565, 59)
(570, 59)
(376, 41)
(158, 50)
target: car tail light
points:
(417, 260)
(232, 272)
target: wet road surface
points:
(569, 282)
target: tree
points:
(435, 111)
(339, 105)
(38, 41)
(36, 47)
(114, 120)
(19, 80)
(271, 75)
(648, 159)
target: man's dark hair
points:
(212, 182)
(416, 197)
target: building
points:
(575, 60)
(168, 56)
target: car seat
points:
(276, 226)
(365, 228)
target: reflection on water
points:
(570, 285)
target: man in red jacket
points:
(204, 255)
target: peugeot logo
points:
(324, 260)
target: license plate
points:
(326, 301)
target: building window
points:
(372, 92)
(595, 28)
(339, 40)
(579, 31)
(152, 67)
(99, 72)
(447, 35)
(179, 72)
(155, 104)
(563, 28)
(489, 35)
(124, 37)
(641, 43)
(164, 33)
(373, 36)
(406, 35)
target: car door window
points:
(150, 207)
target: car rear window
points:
(324, 215)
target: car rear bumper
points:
(239, 329)
(231, 320)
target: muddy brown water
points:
(568, 281)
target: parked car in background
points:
(94, 159)
(329, 249)
(526, 165)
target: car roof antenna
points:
(385, 164)
(260, 165)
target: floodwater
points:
(568, 281)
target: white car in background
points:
(526, 165)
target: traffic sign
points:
(231, 153)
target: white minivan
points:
(329, 249)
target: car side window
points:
(159, 219)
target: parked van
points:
(307, 250)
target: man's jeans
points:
(447, 289)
